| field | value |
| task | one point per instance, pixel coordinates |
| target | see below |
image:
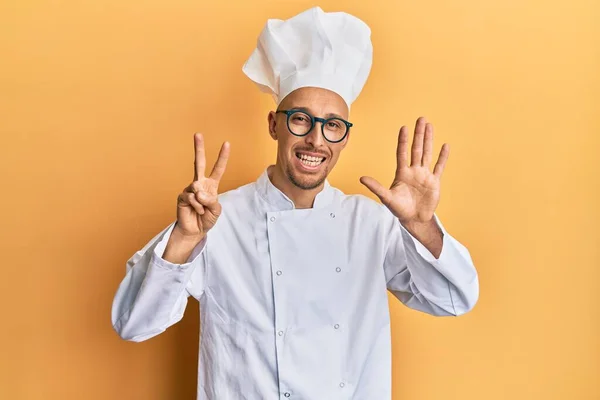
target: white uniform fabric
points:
(326, 50)
(293, 302)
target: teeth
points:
(310, 163)
(309, 160)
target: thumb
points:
(377, 188)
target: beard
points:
(306, 183)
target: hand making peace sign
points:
(198, 207)
(415, 191)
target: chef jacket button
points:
(338, 269)
(279, 272)
(272, 219)
(286, 394)
(336, 326)
(280, 333)
(342, 384)
(332, 215)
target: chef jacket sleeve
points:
(444, 286)
(154, 293)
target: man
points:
(291, 274)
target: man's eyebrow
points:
(306, 110)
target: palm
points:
(415, 191)
(416, 194)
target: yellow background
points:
(98, 104)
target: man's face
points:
(307, 160)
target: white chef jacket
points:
(293, 302)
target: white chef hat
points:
(314, 48)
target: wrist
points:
(416, 224)
(177, 236)
(180, 246)
(422, 230)
(428, 233)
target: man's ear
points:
(272, 125)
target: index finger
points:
(200, 157)
(402, 150)
(219, 168)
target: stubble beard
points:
(305, 185)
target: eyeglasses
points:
(300, 123)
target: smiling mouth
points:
(310, 161)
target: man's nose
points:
(315, 136)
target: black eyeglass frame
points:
(323, 121)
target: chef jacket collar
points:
(281, 202)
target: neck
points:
(302, 198)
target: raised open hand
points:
(415, 191)
(198, 207)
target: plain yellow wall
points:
(98, 104)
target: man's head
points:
(319, 62)
(307, 160)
